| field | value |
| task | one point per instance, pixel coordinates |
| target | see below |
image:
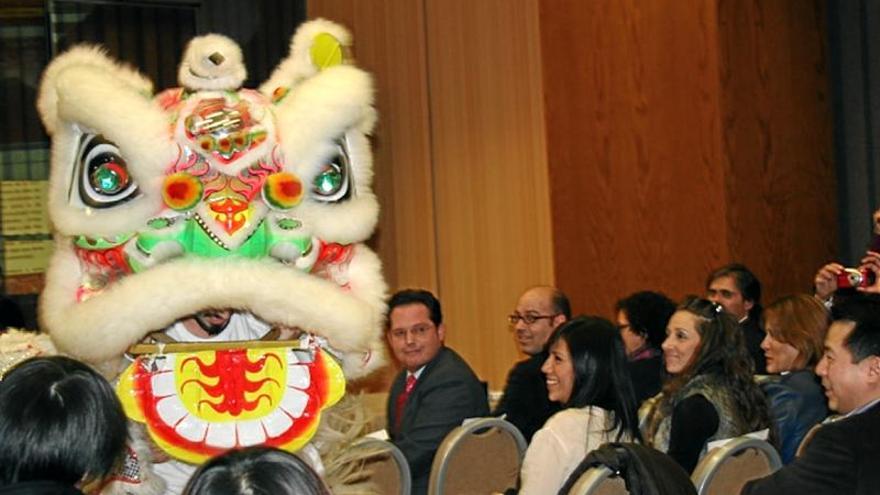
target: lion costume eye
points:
(104, 180)
(332, 184)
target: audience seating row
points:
(723, 471)
(484, 456)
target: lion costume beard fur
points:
(214, 196)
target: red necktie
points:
(402, 398)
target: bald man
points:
(538, 312)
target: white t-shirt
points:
(561, 445)
(241, 326)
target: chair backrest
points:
(385, 467)
(806, 440)
(483, 456)
(726, 469)
(598, 480)
(812, 432)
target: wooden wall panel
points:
(461, 165)
(777, 140)
(632, 121)
(609, 146)
(389, 41)
(490, 185)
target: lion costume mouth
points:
(199, 404)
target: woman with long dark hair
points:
(711, 394)
(586, 372)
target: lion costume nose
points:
(217, 58)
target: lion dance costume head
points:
(214, 196)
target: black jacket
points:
(842, 458)
(646, 471)
(525, 400)
(647, 377)
(754, 335)
(445, 394)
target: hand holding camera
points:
(826, 280)
(835, 276)
(870, 267)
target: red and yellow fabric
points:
(198, 405)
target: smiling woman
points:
(796, 327)
(586, 372)
(711, 394)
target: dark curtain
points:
(854, 44)
(151, 35)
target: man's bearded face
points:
(213, 321)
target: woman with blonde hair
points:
(796, 327)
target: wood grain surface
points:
(682, 136)
(608, 146)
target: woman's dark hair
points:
(648, 313)
(59, 421)
(255, 471)
(601, 376)
(721, 352)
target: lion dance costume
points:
(214, 196)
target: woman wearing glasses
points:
(796, 327)
(641, 319)
(586, 372)
(711, 394)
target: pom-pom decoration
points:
(283, 190)
(181, 191)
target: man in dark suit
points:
(738, 291)
(842, 455)
(538, 312)
(437, 389)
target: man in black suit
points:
(738, 291)
(538, 312)
(842, 456)
(437, 389)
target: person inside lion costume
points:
(208, 199)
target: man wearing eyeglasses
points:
(435, 392)
(525, 402)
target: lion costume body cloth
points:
(213, 196)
